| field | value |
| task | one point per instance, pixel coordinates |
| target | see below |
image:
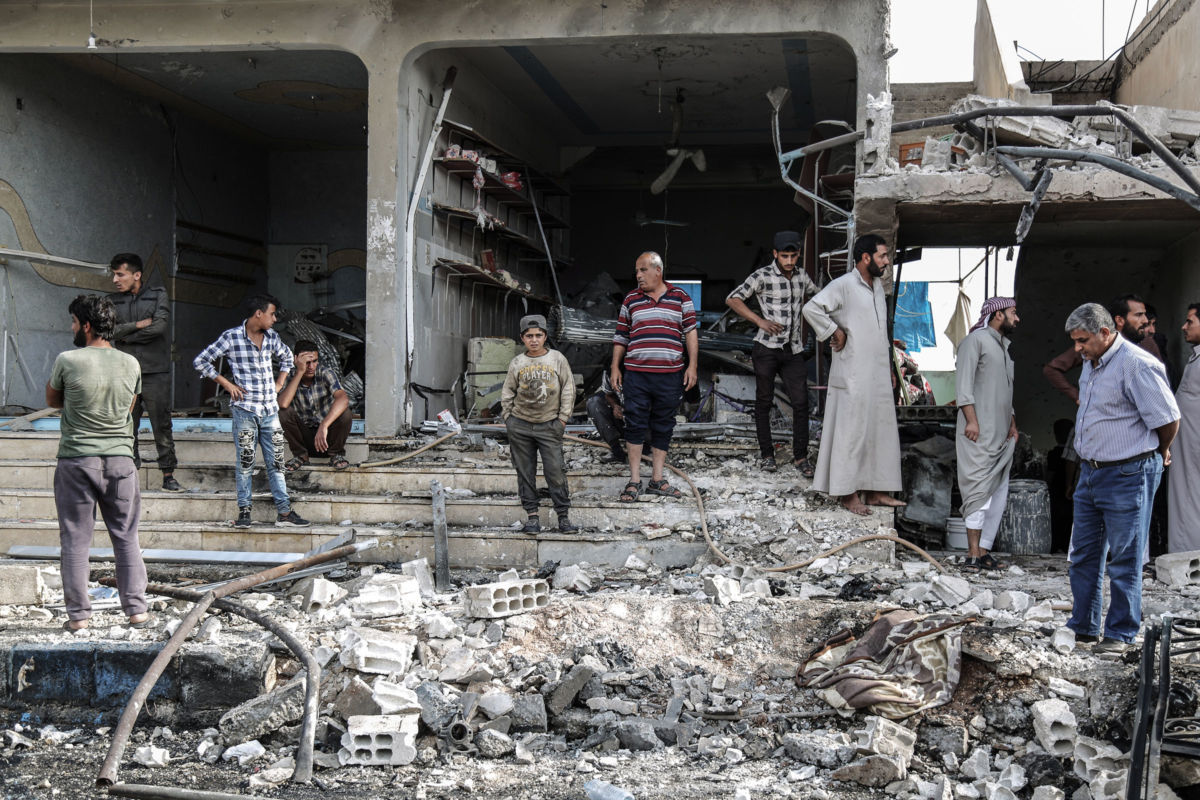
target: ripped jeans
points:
(249, 429)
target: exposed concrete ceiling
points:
(1149, 223)
(285, 98)
(622, 93)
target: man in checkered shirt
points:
(781, 288)
(314, 411)
(249, 349)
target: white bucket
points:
(956, 533)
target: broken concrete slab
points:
(568, 688)
(386, 595)
(393, 698)
(317, 593)
(887, 738)
(356, 700)
(873, 770)
(264, 714)
(494, 744)
(819, 748)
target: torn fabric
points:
(904, 663)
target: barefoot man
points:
(859, 460)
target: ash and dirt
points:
(690, 687)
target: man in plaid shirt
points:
(780, 287)
(314, 411)
(253, 390)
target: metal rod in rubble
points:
(441, 542)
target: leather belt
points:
(1102, 464)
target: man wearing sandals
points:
(314, 411)
(780, 288)
(859, 459)
(96, 386)
(656, 321)
(1124, 427)
(987, 430)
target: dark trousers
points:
(607, 425)
(300, 436)
(79, 485)
(651, 400)
(526, 440)
(793, 369)
(155, 400)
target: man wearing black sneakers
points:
(144, 332)
(253, 392)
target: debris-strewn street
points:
(666, 683)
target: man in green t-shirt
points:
(95, 386)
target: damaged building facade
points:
(277, 147)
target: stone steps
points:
(189, 447)
(330, 509)
(219, 477)
(469, 547)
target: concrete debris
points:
(393, 698)
(21, 585)
(419, 569)
(1178, 569)
(1055, 726)
(877, 145)
(244, 752)
(264, 713)
(494, 744)
(317, 593)
(886, 738)
(873, 770)
(386, 595)
(503, 598)
(151, 756)
(1049, 131)
(573, 578)
(383, 740)
(370, 650)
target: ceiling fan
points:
(678, 153)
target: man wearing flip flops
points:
(987, 430)
(656, 321)
(95, 385)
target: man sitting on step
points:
(314, 411)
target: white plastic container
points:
(956, 533)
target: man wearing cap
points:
(535, 402)
(1126, 422)
(859, 459)
(780, 288)
(987, 429)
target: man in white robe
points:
(986, 430)
(859, 459)
(1183, 499)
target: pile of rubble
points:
(667, 681)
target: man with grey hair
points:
(1124, 427)
(656, 321)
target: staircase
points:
(392, 504)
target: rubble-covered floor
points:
(679, 683)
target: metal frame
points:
(1155, 733)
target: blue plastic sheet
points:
(914, 316)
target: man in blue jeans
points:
(254, 392)
(1126, 422)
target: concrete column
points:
(386, 275)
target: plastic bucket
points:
(956, 533)
(1025, 528)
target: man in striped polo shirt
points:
(1124, 427)
(655, 322)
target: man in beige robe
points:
(986, 429)
(860, 444)
(1183, 499)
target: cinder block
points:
(1178, 569)
(386, 595)
(1109, 785)
(489, 600)
(1055, 726)
(886, 738)
(393, 698)
(1094, 758)
(380, 652)
(384, 740)
(21, 585)
(318, 593)
(419, 568)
